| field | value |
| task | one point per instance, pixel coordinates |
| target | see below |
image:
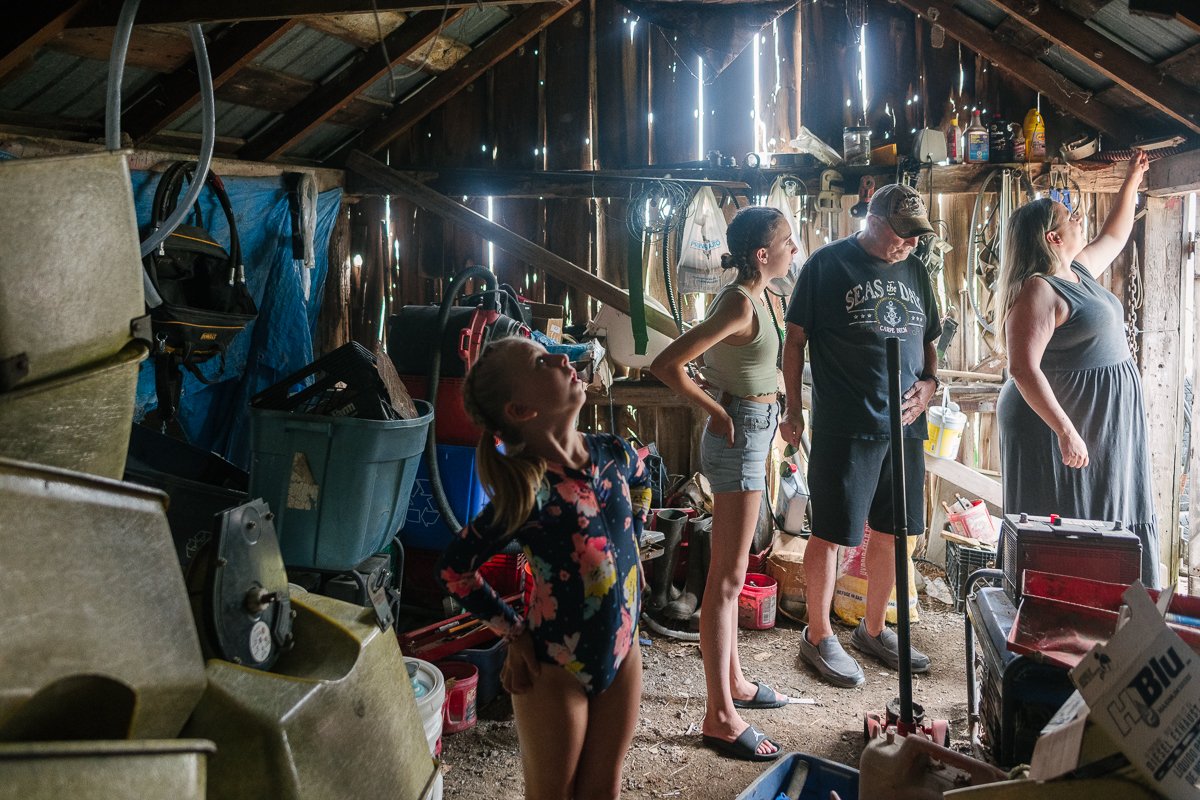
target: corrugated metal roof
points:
(68, 86)
(405, 78)
(323, 141)
(476, 23)
(307, 53)
(1150, 38)
(233, 120)
(1074, 70)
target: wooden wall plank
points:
(622, 101)
(1162, 370)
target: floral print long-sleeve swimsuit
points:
(582, 544)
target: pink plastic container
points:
(458, 713)
(757, 601)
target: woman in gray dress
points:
(1073, 436)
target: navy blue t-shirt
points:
(849, 303)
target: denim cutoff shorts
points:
(741, 467)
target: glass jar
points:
(856, 146)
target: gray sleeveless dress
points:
(1095, 380)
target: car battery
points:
(1011, 697)
(1081, 548)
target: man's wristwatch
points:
(937, 384)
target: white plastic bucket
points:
(946, 424)
(430, 689)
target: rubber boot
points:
(681, 610)
(669, 522)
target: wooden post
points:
(1163, 366)
(505, 239)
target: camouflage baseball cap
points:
(903, 209)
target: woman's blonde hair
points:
(512, 478)
(1026, 254)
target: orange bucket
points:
(757, 601)
(462, 681)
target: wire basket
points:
(961, 561)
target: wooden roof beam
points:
(413, 108)
(173, 94)
(1025, 68)
(22, 34)
(103, 13)
(1107, 57)
(338, 93)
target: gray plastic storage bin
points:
(70, 267)
(339, 486)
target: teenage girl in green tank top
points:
(740, 347)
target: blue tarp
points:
(216, 417)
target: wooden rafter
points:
(20, 37)
(1025, 68)
(103, 13)
(425, 99)
(335, 95)
(173, 94)
(1107, 57)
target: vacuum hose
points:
(435, 369)
(112, 126)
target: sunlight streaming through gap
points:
(699, 109)
(755, 113)
(491, 248)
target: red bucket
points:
(462, 680)
(756, 603)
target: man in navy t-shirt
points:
(849, 298)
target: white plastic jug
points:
(792, 499)
(946, 425)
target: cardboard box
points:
(548, 318)
(1142, 689)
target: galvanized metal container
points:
(147, 770)
(70, 267)
(78, 420)
(96, 633)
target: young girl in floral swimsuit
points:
(573, 668)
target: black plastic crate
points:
(961, 561)
(344, 383)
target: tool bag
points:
(205, 300)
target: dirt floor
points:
(667, 759)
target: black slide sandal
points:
(745, 746)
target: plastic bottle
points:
(976, 140)
(954, 154)
(998, 150)
(1016, 142)
(792, 500)
(1035, 136)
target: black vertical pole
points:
(900, 533)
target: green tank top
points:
(745, 370)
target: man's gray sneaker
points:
(833, 663)
(886, 648)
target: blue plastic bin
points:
(823, 777)
(423, 525)
(339, 486)
(488, 659)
